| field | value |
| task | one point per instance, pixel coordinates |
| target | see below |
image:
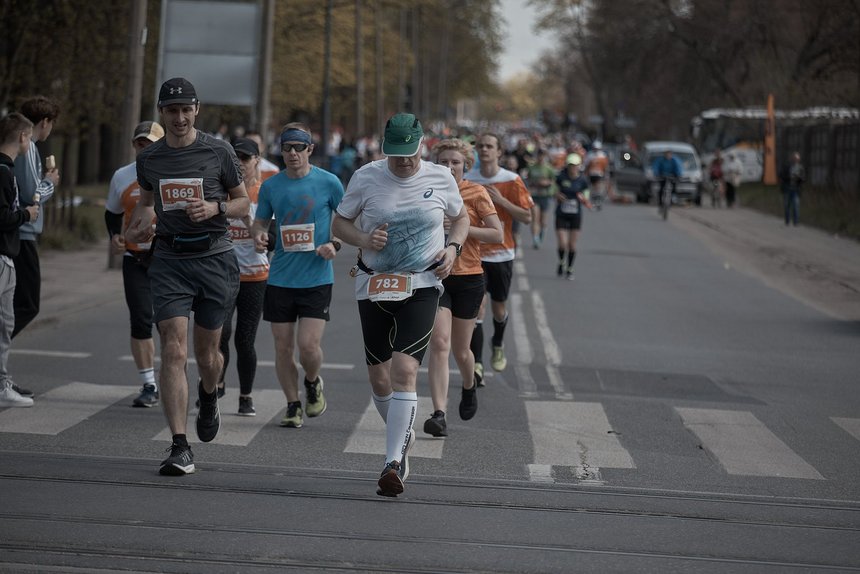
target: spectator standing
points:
(35, 185)
(123, 194)
(791, 177)
(733, 173)
(193, 183)
(15, 133)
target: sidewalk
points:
(813, 266)
(74, 281)
(818, 268)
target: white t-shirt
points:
(413, 208)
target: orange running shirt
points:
(478, 205)
(123, 195)
(514, 190)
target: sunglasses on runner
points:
(288, 147)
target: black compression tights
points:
(248, 311)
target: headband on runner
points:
(294, 135)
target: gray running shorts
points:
(205, 285)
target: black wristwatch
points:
(336, 243)
(458, 248)
(222, 207)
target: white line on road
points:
(574, 435)
(236, 430)
(522, 278)
(63, 408)
(550, 348)
(851, 426)
(744, 445)
(368, 437)
(59, 354)
(527, 385)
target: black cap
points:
(246, 146)
(177, 91)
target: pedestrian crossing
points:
(563, 434)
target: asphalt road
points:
(688, 404)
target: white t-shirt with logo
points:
(414, 209)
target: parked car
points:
(689, 186)
(627, 172)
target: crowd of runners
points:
(214, 234)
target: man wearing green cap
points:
(400, 203)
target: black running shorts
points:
(287, 304)
(463, 295)
(497, 276)
(205, 285)
(568, 221)
(401, 326)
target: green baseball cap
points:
(403, 134)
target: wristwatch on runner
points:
(458, 248)
(336, 244)
(222, 207)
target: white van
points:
(689, 187)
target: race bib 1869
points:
(175, 193)
(298, 237)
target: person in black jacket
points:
(791, 178)
(15, 133)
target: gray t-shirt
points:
(207, 168)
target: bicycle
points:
(664, 200)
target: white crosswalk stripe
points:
(236, 430)
(62, 408)
(575, 435)
(744, 445)
(369, 435)
(851, 426)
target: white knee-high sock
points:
(381, 404)
(401, 415)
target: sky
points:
(522, 46)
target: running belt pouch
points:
(191, 243)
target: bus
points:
(740, 132)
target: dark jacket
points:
(791, 177)
(12, 216)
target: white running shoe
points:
(9, 397)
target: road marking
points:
(851, 426)
(236, 430)
(325, 366)
(525, 381)
(59, 354)
(744, 445)
(522, 277)
(368, 437)
(574, 435)
(550, 348)
(63, 408)
(540, 473)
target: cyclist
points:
(667, 169)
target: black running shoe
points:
(148, 397)
(436, 424)
(246, 407)
(179, 463)
(208, 417)
(469, 403)
(222, 390)
(390, 483)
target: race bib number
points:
(240, 233)
(570, 206)
(299, 237)
(389, 287)
(175, 193)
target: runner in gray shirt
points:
(193, 183)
